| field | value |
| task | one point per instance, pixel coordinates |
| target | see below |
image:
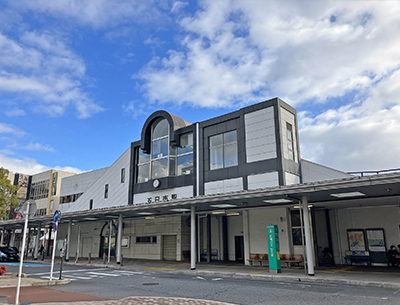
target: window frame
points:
(289, 131)
(184, 154)
(223, 146)
(106, 191)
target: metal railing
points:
(371, 173)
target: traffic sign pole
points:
(55, 218)
(22, 253)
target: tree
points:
(8, 194)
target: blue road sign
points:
(56, 215)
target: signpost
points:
(273, 249)
(56, 218)
(30, 209)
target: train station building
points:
(206, 191)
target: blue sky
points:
(78, 78)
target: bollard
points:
(104, 258)
(122, 260)
(76, 257)
(89, 258)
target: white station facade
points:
(207, 191)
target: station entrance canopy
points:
(377, 190)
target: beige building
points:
(45, 190)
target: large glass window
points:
(156, 164)
(223, 150)
(185, 155)
(289, 135)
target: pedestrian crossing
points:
(86, 274)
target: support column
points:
(37, 242)
(68, 240)
(224, 220)
(208, 238)
(2, 237)
(12, 240)
(78, 246)
(307, 233)
(246, 237)
(49, 240)
(119, 239)
(109, 241)
(192, 238)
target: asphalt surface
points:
(117, 284)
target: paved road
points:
(117, 284)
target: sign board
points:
(32, 207)
(274, 258)
(56, 216)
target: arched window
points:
(163, 159)
(159, 149)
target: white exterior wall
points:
(291, 179)
(258, 221)
(223, 186)
(117, 191)
(387, 218)
(287, 117)
(260, 135)
(263, 180)
(235, 228)
(315, 172)
(80, 183)
(181, 192)
(152, 227)
(89, 231)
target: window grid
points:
(219, 150)
(290, 146)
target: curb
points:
(51, 283)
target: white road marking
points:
(129, 272)
(103, 274)
(201, 278)
(217, 279)
(65, 271)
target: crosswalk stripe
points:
(65, 271)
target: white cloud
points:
(178, 6)
(30, 166)
(337, 59)
(98, 13)
(6, 128)
(15, 112)
(136, 109)
(42, 70)
(37, 147)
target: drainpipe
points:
(192, 238)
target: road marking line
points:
(103, 274)
(83, 278)
(164, 269)
(201, 278)
(65, 271)
(129, 272)
(217, 279)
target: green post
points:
(274, 258)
